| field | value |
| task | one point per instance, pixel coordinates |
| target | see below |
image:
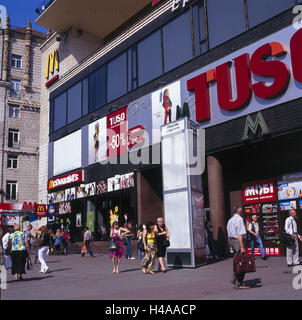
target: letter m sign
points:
(253, 126)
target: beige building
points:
(20, 59)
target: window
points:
(13, 138)
(226, 19)
(149, 58)
(74, 107)
(15, 88)
(85, 96)
(12, 161)
(132, 69)
(117, 77)
(59, 113)
(11, 190)
(14, 111)
(177, 41)
(16, 61)
(97, 88)
(199, 29)
(259, 12)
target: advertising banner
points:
(269, 251)
(78, 220)
(51, 212)
(288, 205)
(101, 187)
(117, 132)
(97, 142)
(90, 221)
(290, 186)
(65, 180)
(262, 191)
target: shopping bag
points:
(84, 249)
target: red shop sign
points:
(68, 179)
(256, 192)
(257, 63)
(41, 210)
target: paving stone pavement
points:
(76, 278)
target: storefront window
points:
(97, 88)
(177, 41)
(258, 12)
(74, 102)
(149, 58)
(226, 19)
(60, 111)
(117, 77)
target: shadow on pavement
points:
(29, 279)
(56, 270)
(254, 283)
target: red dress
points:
(118, 252)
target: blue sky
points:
(20, 11)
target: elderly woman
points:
(162, 242)
(19, 251)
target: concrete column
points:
(26, 78)
(6, 50)
(217, 203)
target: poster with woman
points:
(164, 105)
(80, 191)
(90, 189)
(97, 141)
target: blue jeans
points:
(257, 240)
(129, 248)
(87, 244)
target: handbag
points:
(112, 244)
(141, 246)
(166, 243)
(244, 263)
(287, 238)
(84, 249)
(40, 240)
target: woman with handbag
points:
(162, 242)
(19, 245)
(116, 245)
(150, 248)
(43, 243)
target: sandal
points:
(144, 270)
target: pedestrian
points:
(292, 252)
(58, 241)
(66, 236)
(140, 243)
(162, 242)
(87, 242)
(36, 237)
(150, 248)
(43, 243)
(210, 237)
(51, 243)
(29, 236)
(6, 251)
(236, 234)
(19, 251)
(128, 242)
(253, 229)
(117, 233)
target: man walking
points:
(236, 234)
(87, 241)
(6, 254)
(253, 229)
(292, 252)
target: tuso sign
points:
(271, 66)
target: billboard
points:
(97, 142)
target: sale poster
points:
(117, 133)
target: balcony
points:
(97, 17)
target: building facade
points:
(230, 66)
(20, 113)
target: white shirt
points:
(291, 226)
(236, 226)
(5, 240)
(87, 235)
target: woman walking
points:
(58, 241)
(44, 243)
(115, 255)
(140, 230)
(20, 248)
(128, 241)
(66, 236)
(162, 242)
(150, 248)
(51, 243)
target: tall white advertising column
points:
(183, 162)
